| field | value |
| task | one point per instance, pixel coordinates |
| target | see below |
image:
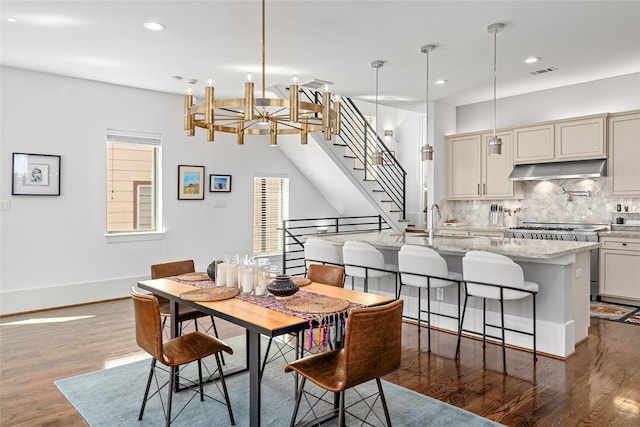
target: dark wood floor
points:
(598, 386)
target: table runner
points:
(329, 327)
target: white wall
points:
(601, 96)
(53, 251)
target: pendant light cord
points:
(495, 36)
(426, 107)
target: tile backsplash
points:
(546, 201)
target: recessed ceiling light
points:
(531, 60)
(153, 26)
(12, 20)
(441, 81)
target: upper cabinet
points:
(473, 174)
(564, 140)
(534, 144)
(624, 154)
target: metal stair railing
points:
(363, 141)
(296, 231)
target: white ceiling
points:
(329, 40)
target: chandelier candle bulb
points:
(293, 100)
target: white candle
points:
(247, 280)
(221, 274)
(232, 275)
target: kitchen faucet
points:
(432, 219)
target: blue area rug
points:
(112, 397)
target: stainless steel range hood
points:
(560, 170)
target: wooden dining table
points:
(256, 319)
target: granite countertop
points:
(521, 248)
(620, 233)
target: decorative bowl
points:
(283, 286)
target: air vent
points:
(544, 70)
(316, 83)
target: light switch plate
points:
(220, 203)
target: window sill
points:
(134, 237)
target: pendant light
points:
(426, 152)
(376, 157)
(494, 145)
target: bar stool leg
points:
(429, 314)
(504, 351)
(535, 355)
(464, 310)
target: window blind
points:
(270, 208)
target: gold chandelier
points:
(262, 116)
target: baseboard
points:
(27, 300)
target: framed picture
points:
(35, 175)
(190, 182)
(219, 183)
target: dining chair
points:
(494, 276)
(173, 353)
(423, 267)
(319, 251)
(185, 314)
(364, 261)
(327, 274)
(372, 349)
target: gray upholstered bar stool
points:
(423, 267)
(493, 276)
(364, 261)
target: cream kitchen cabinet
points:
(563, 140)
(581, 139)
(473, 174)
(620, 269)
(534, 144)
(624, 154)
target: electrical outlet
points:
(578, 273)
(5, 205)
(440, 294)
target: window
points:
(270, 208)
(133, 182)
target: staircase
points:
(383, 186)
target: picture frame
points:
(35, 174)
(190, 182)
(219, 183)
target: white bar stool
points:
(493, 276)
(319, 251)
(423, 267)
(364, 261)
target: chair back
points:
(487, 267)
(319, 250)
(148, 326)
(362, 254)
(174, 268)
(373, 342)
(326, 274)
(421, 260)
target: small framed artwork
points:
(190, 182)
(219, 183)
(35, 175)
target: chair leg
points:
(464, 310)
(384, 402)
(535, 355)
(224, 390)
(266, 357)
(200, 387)
(341, 421)
(428, 316)
(504, 351)
(215, 333)
(298, 399)
(484, 323)
(146, 391)
(170, 394)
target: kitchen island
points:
(560, 268)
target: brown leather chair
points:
(372, 348)
(326, 274)
(175, 352)
(176, 268)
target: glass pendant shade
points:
(426, 152)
